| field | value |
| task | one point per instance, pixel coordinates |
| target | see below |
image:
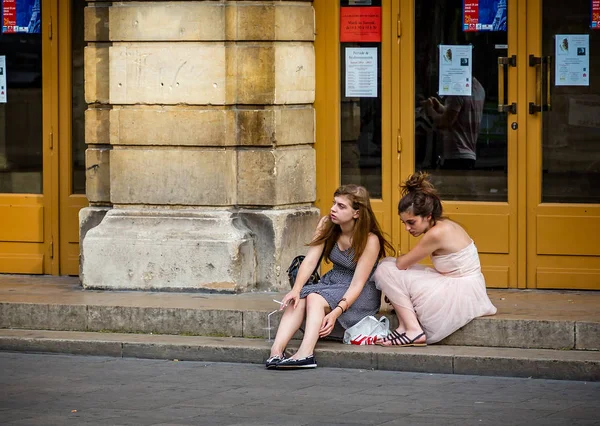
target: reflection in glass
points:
(571, 130)
(21, 117)
(361, 124)
(78, 99)
(459, 140)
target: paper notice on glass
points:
(455, 70)
(361, 72)
(2, 79)
(572, 60)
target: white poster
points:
(361, 72)
(572, 63)
(2, 79)
(455, 70)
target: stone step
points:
(226, 316)
(444, 359)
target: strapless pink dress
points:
(445, 298)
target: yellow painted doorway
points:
(42, 178)
(530, 207)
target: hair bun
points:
(418, 182)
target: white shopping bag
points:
(368, 331)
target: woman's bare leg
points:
(315, 312)
(289, 324)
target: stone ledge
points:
(251, 322)
(546, 364)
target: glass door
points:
(563, 145)
(463, 127)
(25, 132)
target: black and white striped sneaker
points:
(290, 363)
(274, 360)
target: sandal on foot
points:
(400, 339)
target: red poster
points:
(470, 15)
(10, 16)
(595, 15)
(360, 24)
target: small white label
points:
(501, 46)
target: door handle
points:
(543, 96)
(503, 64)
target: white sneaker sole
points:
(295, 367)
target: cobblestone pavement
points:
(63, 390)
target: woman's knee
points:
(315, 300)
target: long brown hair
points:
(420, 198)
(365, 223)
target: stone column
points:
(200, 128)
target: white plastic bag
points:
(368, 331)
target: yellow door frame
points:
(50, 73)
(43, 229)
(69, 203)
(327, 106)
(561, 249)
(31, 220)
(500, 256)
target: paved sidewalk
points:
(63, 390)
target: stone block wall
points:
(200, 132)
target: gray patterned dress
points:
(333, 286)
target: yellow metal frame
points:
(70, 203)
(44, 228)
(562, 250)
(51, 125)
(515, 261)
(327, 106)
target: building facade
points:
(191, 144)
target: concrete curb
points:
(252, 323)
(534, 363)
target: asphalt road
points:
(76, 390)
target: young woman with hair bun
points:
(431, 303)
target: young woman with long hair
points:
(432, 303)
(352, 240)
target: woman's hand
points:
(329, 322)
(293, 297)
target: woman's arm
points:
(363, 269)
(430, 242)
(307, 267)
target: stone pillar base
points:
(176, 250)
(279, 236)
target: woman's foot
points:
(274, 360)
(295, 363)
(405, 338)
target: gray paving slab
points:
(203, 393)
